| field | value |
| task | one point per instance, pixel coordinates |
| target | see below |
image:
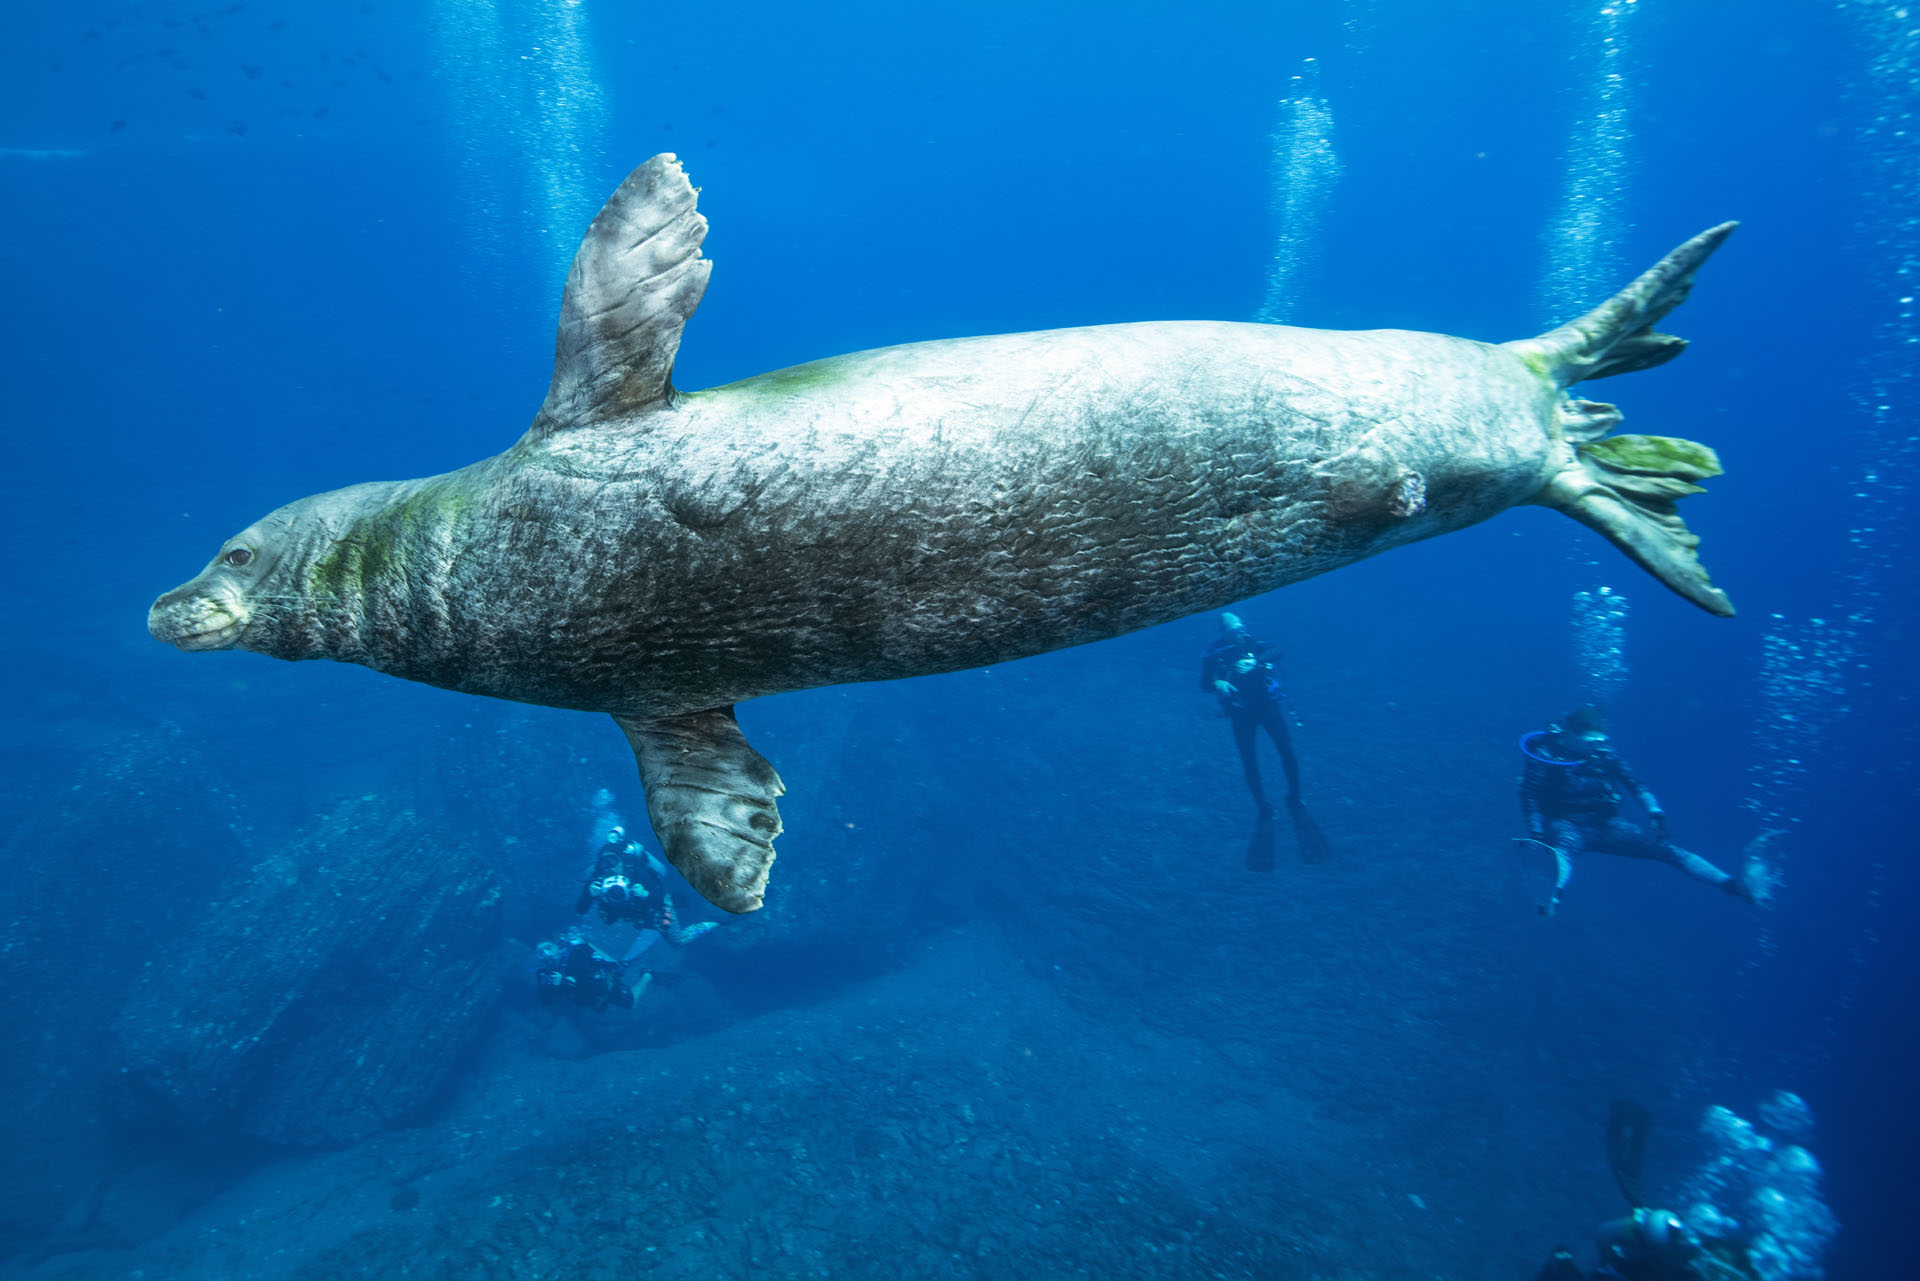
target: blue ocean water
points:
(1014, 1006)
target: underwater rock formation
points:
(329, 993)
(99, 875)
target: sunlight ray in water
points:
(568, 114)
(1887, 231)
(1305, 169)
(1584, 263)
(1600, 643)
(1584, 241)
(521, 79)
(1814, 670)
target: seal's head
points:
(257, 594)
(216, 608)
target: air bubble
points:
(1305, 169)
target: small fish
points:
(319, 112)
(198, 95)
(237, 128)
(252, 73)
(278, 24)
(116, 126)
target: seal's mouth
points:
(196, 622)
(221, 637)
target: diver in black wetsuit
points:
(1655, 1245)
(626, 884)
(582, 973)
(1649, 1244)
(1238, 670)
(1571, 791)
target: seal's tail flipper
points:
(635, 280)
(1627, 486)
(710, 797)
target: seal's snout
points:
(196, 617)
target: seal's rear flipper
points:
(636, 279)
(1617, 337)
(1627, 486)
(710, 797)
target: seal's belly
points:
(947, 505)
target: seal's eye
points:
(238, 556)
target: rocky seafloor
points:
(1009, 1012)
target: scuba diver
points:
(1649, 1244)
(1571, 792)
(627, 884)
(581, 973)
(1238, 670)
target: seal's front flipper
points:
(636, 279)
(1627, 486)
(710, 797)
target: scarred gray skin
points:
(909, 510)
(661, 555)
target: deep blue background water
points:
(204, 322)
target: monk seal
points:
(661, 555)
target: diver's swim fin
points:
(1561, 1267)
(1313, 842)
(1540, 869)
(1627, 1126)
(1260, 846)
